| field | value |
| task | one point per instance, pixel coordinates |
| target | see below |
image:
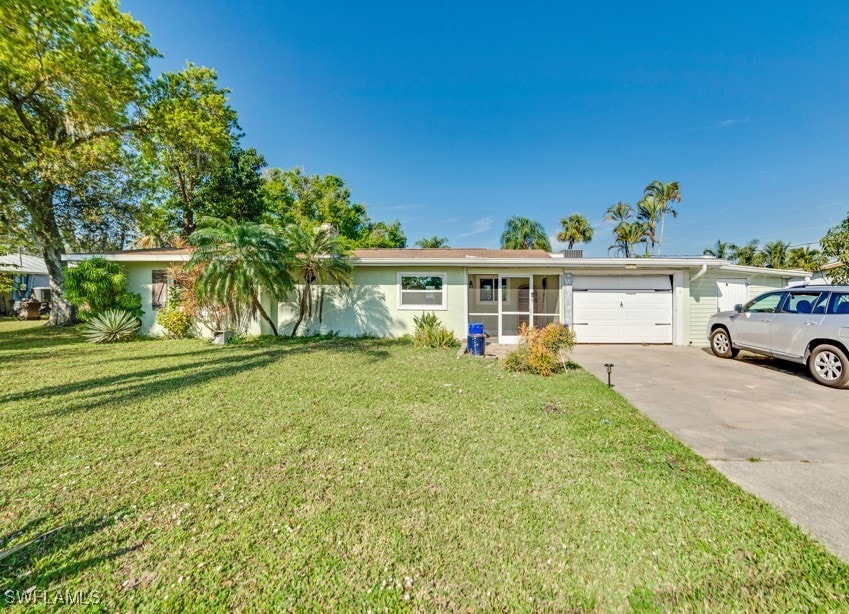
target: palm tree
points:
(432, 242)
(319, 259)
(723, 250)
(576, 229)
(628, 235)
(524, 233)
(806, 258)
(152, 240)
(620, 213)
(238, 263)
(664, 193)
(650, 210)
(746, 255)
(774, 254)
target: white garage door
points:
(622, 309)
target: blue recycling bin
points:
(477, 344)
(476, 328)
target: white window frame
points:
(494, 280)
(441, 307)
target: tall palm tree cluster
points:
(772, 254)
(645, 225)
(238, 264)
(632, 227)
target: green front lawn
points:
(361, 474)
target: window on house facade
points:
(158, 289)
(421, 291)
(487, 289)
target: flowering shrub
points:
(543, 350)
(175, 321)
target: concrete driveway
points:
(763, 423)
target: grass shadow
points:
(200, 366)
(51, 547)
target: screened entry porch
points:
(503, 302)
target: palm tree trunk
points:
(264, 315)
(660, 238)
(321, 305)
(302, 310)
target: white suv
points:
(807, 324)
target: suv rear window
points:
(839, 304)
(805, 302)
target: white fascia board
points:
(128, 257)
(572, 264)
(631, 264)
(460, 262)
(757, 270)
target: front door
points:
(515, 306)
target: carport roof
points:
(22, 264)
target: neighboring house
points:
(29, 272)
(605, 300)
(823, 276)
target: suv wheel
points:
(829, 366)
(720, 344)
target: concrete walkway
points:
(763, 423)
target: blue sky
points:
(452, 118)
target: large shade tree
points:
(835, 245)
(191, 135)
(293, 197)
(241, 263)
(320, 260)
(234, 188)
(524, 233)
(575, 228)
(73, 76)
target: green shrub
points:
(111, 326)
(175, 321)
(7, 283)
(430, 332)
(542, 351)
(97, 285)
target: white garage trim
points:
(623, 309)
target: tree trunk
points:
(321, 305)
(264, 315)
(660, 239)
(301, 311)
(188, 222)
(42, 213)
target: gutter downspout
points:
(701, 273)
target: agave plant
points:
(110, 326)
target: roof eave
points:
(765, 271)
(129, 257)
